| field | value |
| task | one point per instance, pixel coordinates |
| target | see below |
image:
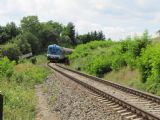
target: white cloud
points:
(146, 2)
(110, 32)
(142, 2)
(116, 18)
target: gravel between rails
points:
(74, 102)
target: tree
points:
(31, 28)
(101, 36)
(8, 32)
(23, 44)
(50, 32)
(12, 30)
(94, 35)
(31, 24)
(3, 35)
(70, 32)
(91, 36)
(33, 41)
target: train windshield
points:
(54, 50)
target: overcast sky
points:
(116, 18)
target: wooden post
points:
(1, 107)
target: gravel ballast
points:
(74, 102)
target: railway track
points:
(131, 104)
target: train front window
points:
(54, 51)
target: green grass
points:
(17, 84)
(123, 76)
(41, 59)
(127, 77)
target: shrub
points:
(149, 66)
(99, 66)
(12, 51)
(33, 60)
(6, 67)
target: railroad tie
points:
(121, 111)
(118, 108)
(130, 117)
(115, 106)
(126, 113)
(138, 118)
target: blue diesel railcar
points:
(55, 53)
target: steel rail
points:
(118, 86)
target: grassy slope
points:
(89, 54)
(126, 77)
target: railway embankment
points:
(130, 103)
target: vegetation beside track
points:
(137, 54)
(17, 83)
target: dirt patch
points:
(43, 111)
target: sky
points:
(116, 18)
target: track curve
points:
(137, 103)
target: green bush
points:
(90, 60)
(6, 67)
(99, 66)
(33, 60)
(12, 51)
(149, 65)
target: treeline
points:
(91, 36)
(34, 36)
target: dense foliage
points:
(100, 57)
(17, 86)
(8, 32)
(149, 65)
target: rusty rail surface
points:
(146, 115)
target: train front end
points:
(55, 53)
